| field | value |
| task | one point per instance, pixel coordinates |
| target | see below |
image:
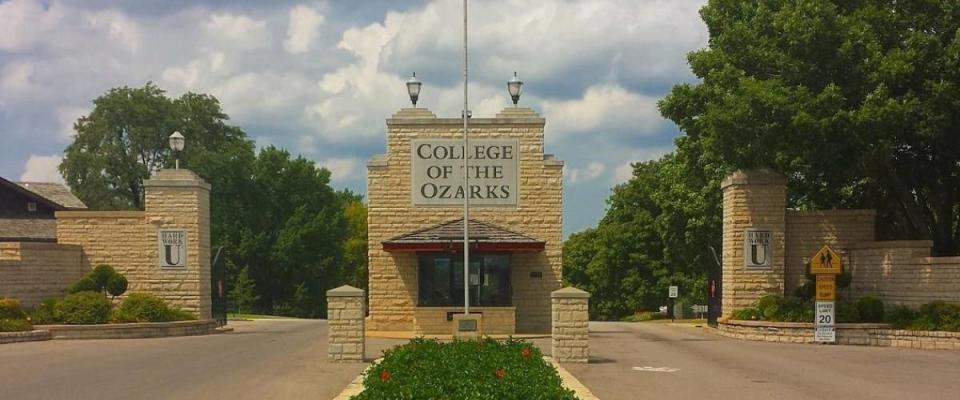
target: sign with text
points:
(172, 248)
(826, 287)
(674, 292)
(825, 322)
(437, 172)
(826, 261)
(757, 248)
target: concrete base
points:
(467, 327)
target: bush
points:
(116, 285)
(143, 307)
(48, 312)
(939, 315)
(847, 312)
(85, 308)
(769, 306)
(900, 317)
(10, 309)
(85, 284)
(806, 291)
(644, 316)
(15, 325)
(463, 370)
(870, 309)
(747, 314)
(101, 274)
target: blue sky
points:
(320, 77)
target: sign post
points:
(826, 265)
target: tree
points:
(243, 294)
(856, 102)
(355, 245)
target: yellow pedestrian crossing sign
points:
(826, 261)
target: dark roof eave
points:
(458, 246)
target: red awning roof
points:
(448, 236)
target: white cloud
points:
(624, 171)
(42, 169)
(341, 169)
(25, 22)
(237, 31)
(66, 117)
(302, 28)
(588, 173)
(604, 106)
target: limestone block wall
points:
(32, 272)
(345, 327)
(393, 276)
(127, 240)
(847, 334)
(808, 231)
(752, 199)
(571, 322)
(902, 272)
(496, 320)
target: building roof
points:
(448, 236)
(28, 230)
(55, 192)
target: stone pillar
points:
(345, 315)
(178, 199)
(571, 339)
(752, 200)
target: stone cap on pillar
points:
(176, 178)
(345, 291)
(762, 176)
(569, 292)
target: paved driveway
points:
(269, 359)
(684, 362)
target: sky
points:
(319, 78)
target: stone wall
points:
(345, 327)
(32, 272)
(808, 231)
(127, 240)
(393, 276)
(902, 272)
(571, 325)
(848, 334)
(496, 320)
(751, 199)
(899, 272)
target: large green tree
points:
(857, 102)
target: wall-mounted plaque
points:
(172, 248)
(437, 172)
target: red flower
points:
(525, 352)
(501, 373)
(384, 376)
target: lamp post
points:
(176, 144)
(413, 89)
(515, 86)
(466, 176)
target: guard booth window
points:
(440, 280)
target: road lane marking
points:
(655, 369)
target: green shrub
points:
(769, 306)
(143, 307)
(101, 274)
(463, 370)
(48, 312)
(870, 309)
(847, 313)
(899, 316)
(795, 309)
(116, 285)
(806, 291)
(939, 315)
(85, 284)
(747, 314)
(85, 308)
(10, 309)
(15, 325)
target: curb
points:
(571, 382)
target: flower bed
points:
(464, 370)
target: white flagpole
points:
(466, 178)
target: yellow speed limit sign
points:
(826, 287)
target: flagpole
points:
(466, 177)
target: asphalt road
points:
(269, 359)
(286, 359)
(684, 362)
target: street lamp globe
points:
(413, 89)
(176, 144)
(515, 87)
